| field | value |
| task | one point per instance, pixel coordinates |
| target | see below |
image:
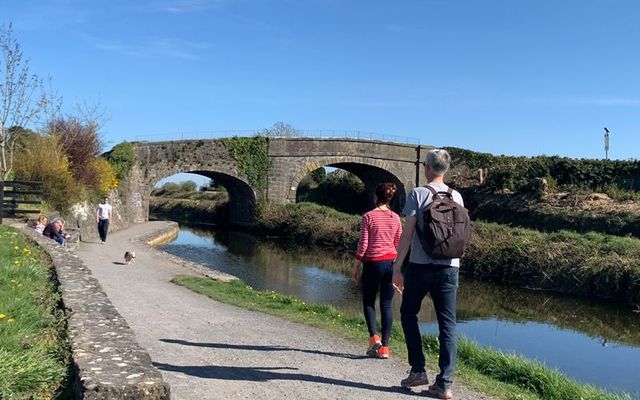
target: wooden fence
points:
(18, 198)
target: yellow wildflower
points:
(11, 320)
(2, 316)
(17, 247)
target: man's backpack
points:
(446, 226)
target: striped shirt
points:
(379, 235)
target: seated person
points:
(41, 223)
(54, 231)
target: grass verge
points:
(34, 352)
(489, 371)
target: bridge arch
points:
(370, 171)
(207, 158)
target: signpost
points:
(606, 143)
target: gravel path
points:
(210, 350)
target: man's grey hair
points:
(58, 220)
(439, 161)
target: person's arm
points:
(363, 243)
(396, 239)
(110, 208)
(98, 214)
(411, 211)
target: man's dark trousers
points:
(441, 281)
(103, 228)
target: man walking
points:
(424, 274)
(103, 218)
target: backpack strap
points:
(448, 194)
(432, 190)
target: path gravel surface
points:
(210, 350)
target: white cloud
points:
(159, 47)
(185, 6)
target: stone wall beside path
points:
(109, 363)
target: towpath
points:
(210, 350)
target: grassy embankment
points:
(204, 207)
(591, 265)
(578, 210)
(489, 371)
(34, 353)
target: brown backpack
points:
(446, 226)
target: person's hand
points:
(397, 280)
(356, 272)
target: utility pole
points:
(606, 144)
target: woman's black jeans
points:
(441, 282)
(376, 275)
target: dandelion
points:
(11, 320)
(2, 316)
(16, 262)
(17, 247)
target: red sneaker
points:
(374, 345)
(383, 352)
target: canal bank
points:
(209, 350)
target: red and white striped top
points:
(380, 232)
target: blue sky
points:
(521, 77)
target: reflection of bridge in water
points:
(373, 161)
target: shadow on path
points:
(262, 348)
(264, 374)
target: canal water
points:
(593, 342)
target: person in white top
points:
(103, 218)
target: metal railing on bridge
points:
(312, 133)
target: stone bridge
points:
(291, 160)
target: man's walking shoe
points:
(383, 352)
(415, 379)
(374, 345)
(440, 393)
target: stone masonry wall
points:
(109, 363)
(293, 158)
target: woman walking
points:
(380, 231)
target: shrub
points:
(104, 179)
(81, 143)
(41, 158)
(340, 189)
(121, 157)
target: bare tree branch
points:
(22, 96)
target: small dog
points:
(129, 257)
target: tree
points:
(22, 96)
(282, 129)
(82, 144)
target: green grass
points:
(34, 354)
(591, 265)
(486, 370)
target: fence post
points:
(1, 200)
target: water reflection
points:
(588, 340)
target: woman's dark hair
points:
(384, 193)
